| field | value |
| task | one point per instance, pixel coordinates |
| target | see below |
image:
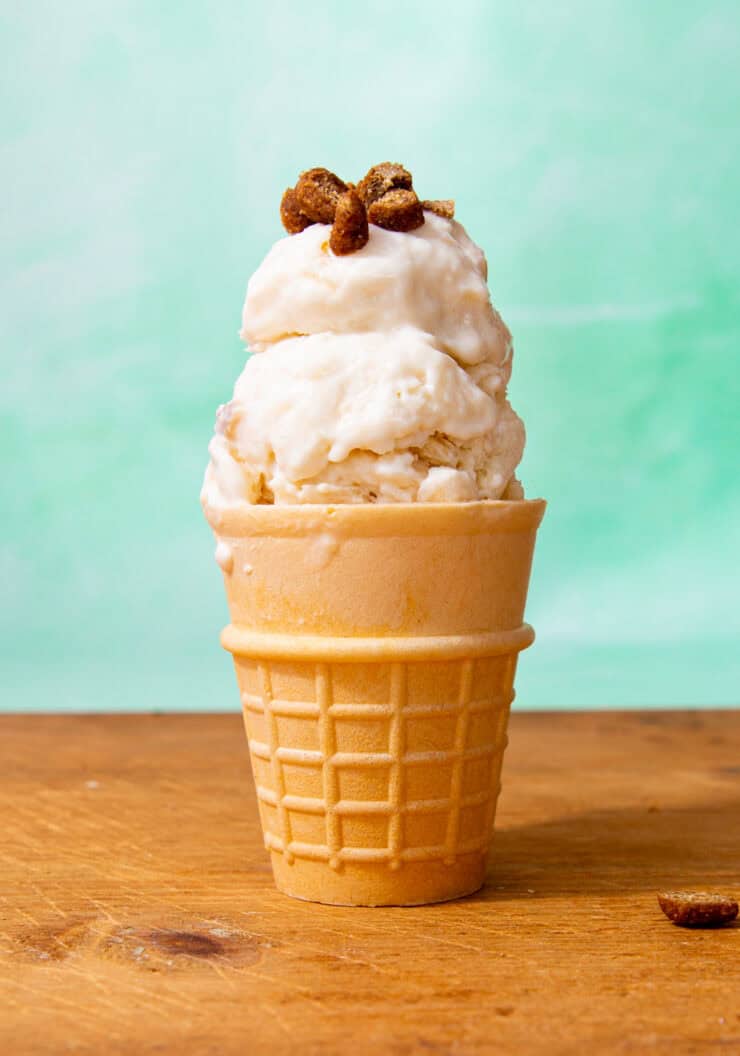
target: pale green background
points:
(593, 150)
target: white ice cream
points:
(379, 376)
(432, 279)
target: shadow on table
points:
(613, 851)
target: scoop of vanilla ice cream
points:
(432, 278)
(379, 376)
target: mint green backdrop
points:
(593, 150)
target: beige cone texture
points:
(375, 649)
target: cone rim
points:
(368, 519)
(246, 641)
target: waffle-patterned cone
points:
(375, 650)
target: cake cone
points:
(375, 649)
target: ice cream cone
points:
(375, 648)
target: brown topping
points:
(697, 909)
(349, 232)
(294, 221)
(385, 197)
(443, 207)
(397, 211)
(317, 193)
(383, 178)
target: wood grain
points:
(139, 916)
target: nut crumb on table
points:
(697, 909)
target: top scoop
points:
(380, 366)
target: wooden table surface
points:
(139, 916)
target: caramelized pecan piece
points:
(697, 909)
(442, 207)
(397, 210)
(349, 232)
(383, 178)
(294, 221)
(317, 193)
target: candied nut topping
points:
(350, 231)
(294, 221)
(442, 207)
(397, 211)
(697, 909)
(385, 197)
(317, 193)
(383, 178)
